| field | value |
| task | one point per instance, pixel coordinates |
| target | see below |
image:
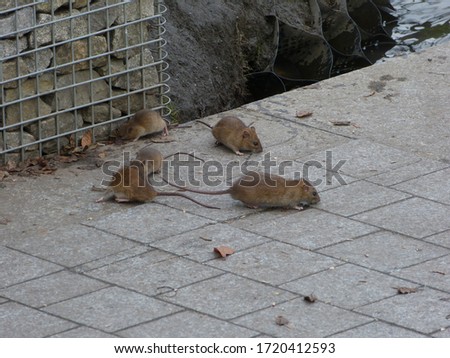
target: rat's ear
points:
(253, 129)
(245, 133)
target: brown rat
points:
(130, 184)
(144, 122)
(234, 134)
(267, 190)
(153, 159)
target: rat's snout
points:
(316, 198)
(257, 147)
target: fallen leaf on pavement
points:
(281, 321)
(311, 298)
(224, 251)
(340, 123)
(67, 159)
(406, 290)
(205, 238)
(439, 272)
(3, 174)
(303, 114)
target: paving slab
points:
(72, 245)
(434, 273)
(305, 319)
(83, 332)
(110, 259)
(188, 324)
(434, 186)
(275, 263)
(227, 296)
(363, 158)
(416, 217)
(333, 286)
(385, 251)
(19, 321)
(154, 272)
(52, 288)
(424, 311)
(442, 239)
(147, 223)
(39, 205)
(115, 309)
(309, 229)
(442, 333)
(408, 172)
(199, 244)
(16, 267)
(379, 330)
(358, 197)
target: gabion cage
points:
(71, 66)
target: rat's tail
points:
(185, 153)
(189, 198)
(220, 192)
(206, 124)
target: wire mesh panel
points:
(71, 66)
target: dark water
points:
(420, 24)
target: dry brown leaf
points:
(72, 143)
(224, 251)
(4, 221)
(67, 159)
(370, 94)
(10, 165)
(3, 174)
(86, 139)
(406, 290)
(205, 238)
(311, 298)
(303, 114)
(340, 123)
(439, 272)
(281, 321)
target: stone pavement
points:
(71, 267)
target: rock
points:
(104, 18)
(64, 98)
(9, 70)
(38, 61)
(136, 10)
(13, 140)
(64, 122)
(9, 4)
(17, 22)
(11, 47)
(46, 7)
(80, 51)
(136, 101)
(31, 109)
(43, 35)
(29, 87)
(126, 36)
(100, 113)
(134, 79)
(104, 131)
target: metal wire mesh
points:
(68, 66)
